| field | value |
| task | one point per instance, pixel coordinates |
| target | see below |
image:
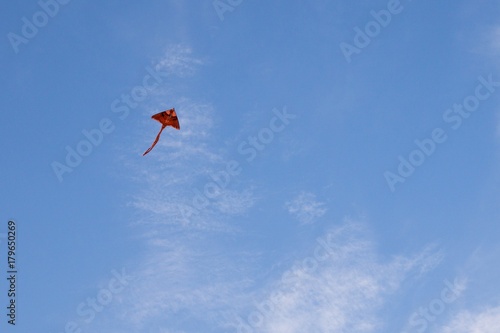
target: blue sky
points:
(336, 169)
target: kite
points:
(166, 118)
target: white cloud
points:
(485, 321)
(339, 285)
(235, 202)
(338, 288)
(179, 60)
(175, 279)
(305, 208)
(179, 279)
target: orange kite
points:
(166, 118)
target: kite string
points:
(156, 140)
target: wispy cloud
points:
(306, 208)
(339, 287)
(236, 202)
(180, 61)
(484, 321)
(180, 278)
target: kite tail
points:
(154, 143)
